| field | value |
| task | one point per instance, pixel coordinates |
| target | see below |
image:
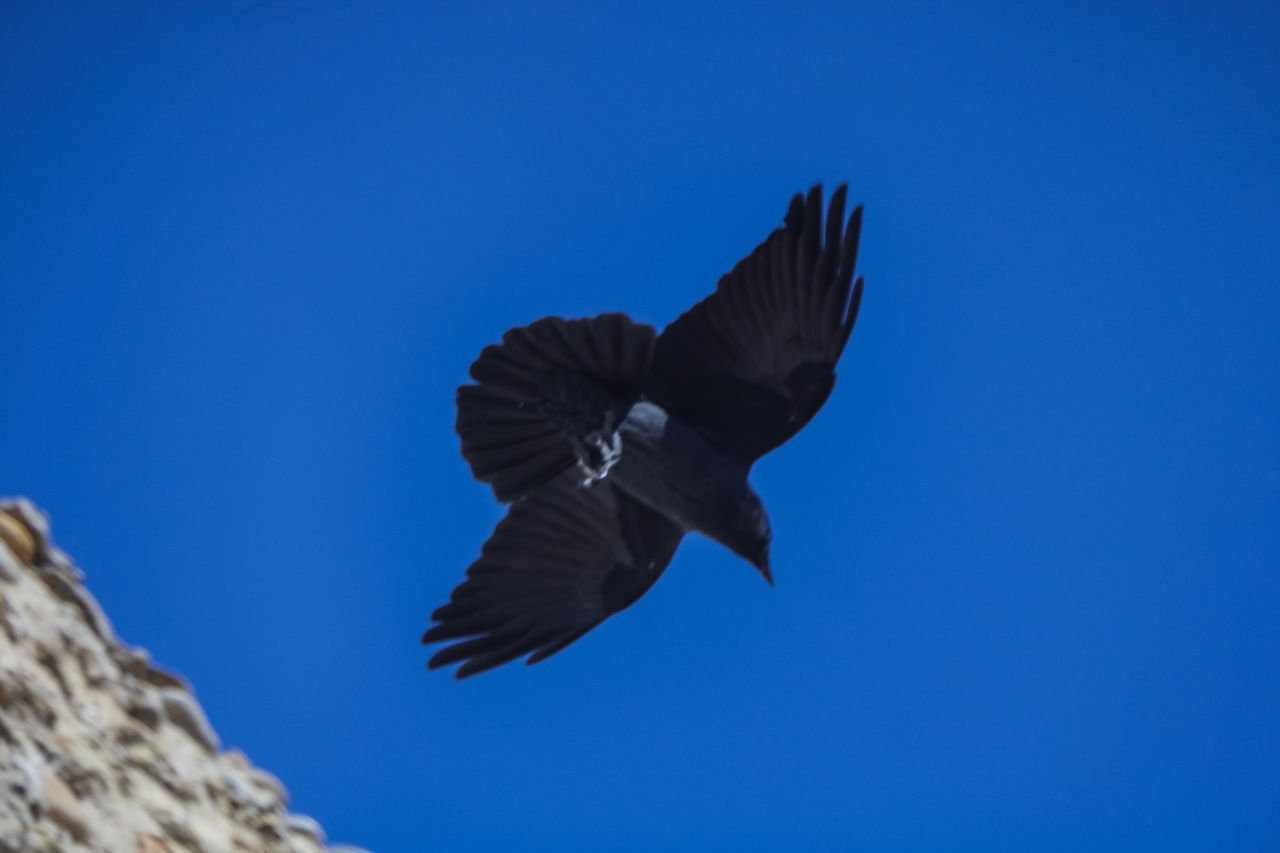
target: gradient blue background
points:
(1028, 556)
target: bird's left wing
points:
(752, 363)
(564, 559)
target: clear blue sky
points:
(1027, 557)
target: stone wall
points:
(100, 750)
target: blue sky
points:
(1027, 557)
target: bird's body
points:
(611, 443)
(674, 471)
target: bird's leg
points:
(600, 456)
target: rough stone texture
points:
(100, 750)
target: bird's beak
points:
(762, 564)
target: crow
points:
(611, 442)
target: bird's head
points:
(754, 534)
(761, 562)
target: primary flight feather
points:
(611, 442)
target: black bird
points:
(610, 443)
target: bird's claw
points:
(603, 456)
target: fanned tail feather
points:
(543, 391)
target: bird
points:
(610, 442)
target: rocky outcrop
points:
(100, 750)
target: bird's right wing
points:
(563, 560)
(752, 363)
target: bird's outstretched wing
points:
(551, 396)
(752, 363)
(563, 560)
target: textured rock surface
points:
(99, 749)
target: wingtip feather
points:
(855, 304)
(835, 217)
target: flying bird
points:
(611, 442)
